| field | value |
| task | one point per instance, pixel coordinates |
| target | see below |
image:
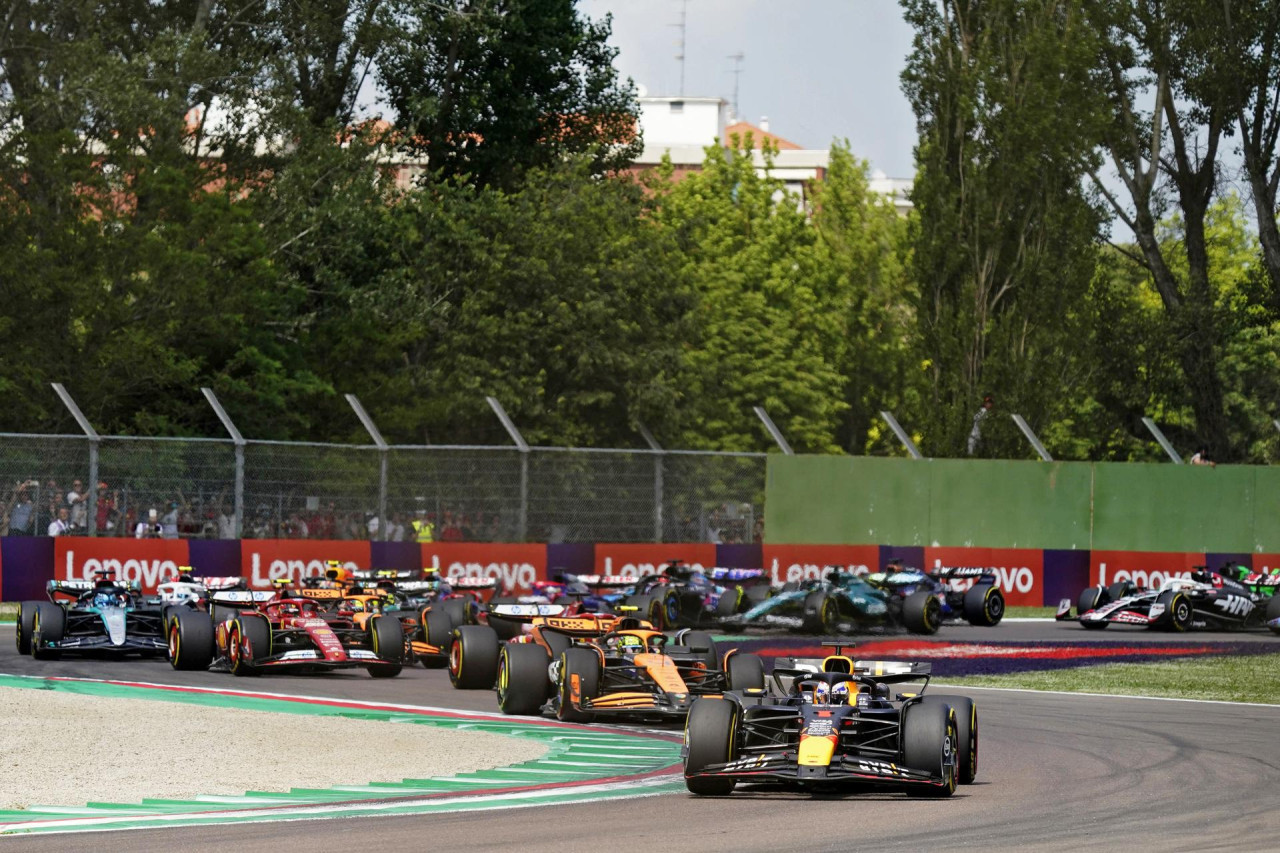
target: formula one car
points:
(428, 608)
(830, 725)
(101, 616)
(1206, 600)
(979, 603)
(284, 631)
(633, 672)
(185, 591)
(475, 650)
(681, 595)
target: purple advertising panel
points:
(1217, 561)
(1066, 573)
(912, 557)
(742, 556)
(576, 558)
(214, 558)
(395, 555)
(28, 564)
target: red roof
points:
(758, 136)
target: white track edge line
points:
(1108, 695)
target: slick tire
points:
(523, 683)
(966, 735)
(1178, 612)
(821, 613)
(583, 666)
(1120, 589)
(745, 672)
(26, 615)
(1091, 599)
(386, 638)
(922, 612)
(47, 626)
(758, 594)
(709, 732)
(456, 608)
(701, 642)
(983, 606)
(473, 657)
(190, 637)
(437, 629)
(1273, 612)
(731, 602)
(254, 629)
(221, 613)
(929, 737)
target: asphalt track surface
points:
(1056, 772)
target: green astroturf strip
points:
(572, 756)
(1242, 678)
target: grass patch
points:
(1030, 612)
(8, 611)
(1234, 678)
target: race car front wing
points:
(784, 768)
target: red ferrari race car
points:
(262, 631)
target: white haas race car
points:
(1206, 600)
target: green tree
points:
(1003, 231)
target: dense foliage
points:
(197, 193)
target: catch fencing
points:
(221, 488)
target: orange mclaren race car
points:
(633, 672)
(474, 650)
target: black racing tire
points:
(222, 613)
(731, 602)
(457, 610)
(821, 613)
(1092, 598)
(983, 606)
(642, 605)
(257, 630)
(473, 657)
(710, 733)
(929, 738)
(26, 615)
(1273, 612)
(966, 735)
(1178, 611)
(745, 672)
(386, 638)
(1120, 589)
(190, 636)
(47, 626)
(1094, 626)
(922, 612)
(556, 643)
(758, 594)
(700, 641)
(506, 629)
(437, 629)
(585, 664)
(523, 683)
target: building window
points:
(677, 106)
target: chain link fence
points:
(216, 488)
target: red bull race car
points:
(834, 725)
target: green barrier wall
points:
(1010, 504)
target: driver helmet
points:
(355, 605)
(338, 573)
(104, 599)
(630, 643)
(821, 693)
(840, 693)
(289, 608)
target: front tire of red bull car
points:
(929, 739)
(710, 737)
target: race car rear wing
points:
(321, 594)
(474, 583)
(393, 575)
(526, 611)
(961, 572)
(233, 597)
(78, 588)
(734, 575)
(600, 581)
(228, 582)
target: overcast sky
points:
(819, 69)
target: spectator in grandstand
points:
(493, 530)
(468, 530)
(757, 535)
(324, 524)
(78, 507)
(226, 522)
(450, 531)
(295, 527)
(151, 528)
(169, 521)
(61, 525)
(20, 511)
(396, 529)
(107, 516)
(1202, 457)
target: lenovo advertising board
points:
(633, 560)
(147, 561)
(514, 566)
(799, 563)
(1019, 571)
(264, 561)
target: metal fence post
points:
(383, 523)
(659, 461)
(773, 430)
(902, 435)
(91, 521)
(1032, 437)
(1164, 442)
(523, 446)
(239, 442)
